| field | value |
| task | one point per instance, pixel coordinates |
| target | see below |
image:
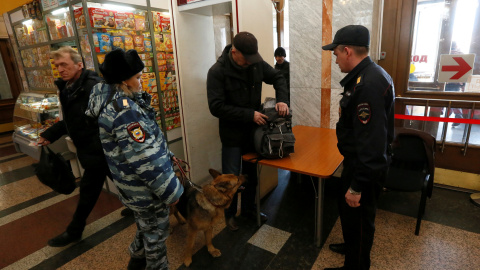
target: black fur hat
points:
(120, 65)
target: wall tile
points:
(306, 104)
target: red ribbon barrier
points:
(438, 119)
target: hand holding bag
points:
(54, 171)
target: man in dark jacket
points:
(234, 88)
(283, 66)
(75, 87)
(364, 133)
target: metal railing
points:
(427, 103)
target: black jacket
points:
(285, 71)
(82, 129)
(234, 99)
(365, 128)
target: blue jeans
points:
(232, 164)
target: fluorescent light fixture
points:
(29, 22)
(118, 8)
(59, 11)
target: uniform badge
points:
(125, 103)
(364, 112)
(136, 131)
(359, 79)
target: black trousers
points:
(232, 164)
(358, 224)
(90, 187)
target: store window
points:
(416, 35)
(443, 27)
(281, 26)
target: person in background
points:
(234, 90)
(137, 155)
(75, 87)
(283, 66)
(365, 131)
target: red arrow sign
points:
(462, 68)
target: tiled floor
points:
(30, 214)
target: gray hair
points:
(74, 55)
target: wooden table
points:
(316, 154)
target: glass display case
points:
(103, 27)
(93, 28)
(35, 42)
(59, 24)
(30, 32)
(34, 113)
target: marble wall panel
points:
(305, 61)
(306, 104)
(347, 12)
(305, 43)
(305, 54)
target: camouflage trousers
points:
(152, 231)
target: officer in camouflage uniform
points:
(137, 155)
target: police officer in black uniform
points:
(364, 133)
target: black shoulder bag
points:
(54, 171)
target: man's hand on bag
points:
(259, 118)
(282, 108)
(43, 141)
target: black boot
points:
(137, 264)
(338, 248)
(126, 212)
(63, 239)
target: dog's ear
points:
(214, 173)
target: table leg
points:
(319, 212)
(257, 198)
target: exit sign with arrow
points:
(455, 67)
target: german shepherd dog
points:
(203, 207)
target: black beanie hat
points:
(280, 52)
(120, 65)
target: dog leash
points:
(184, 172)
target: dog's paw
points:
(187, 261)
(214, 252)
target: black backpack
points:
(275, 139)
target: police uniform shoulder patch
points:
(125, 103)
(364, 112)
(136, 132)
